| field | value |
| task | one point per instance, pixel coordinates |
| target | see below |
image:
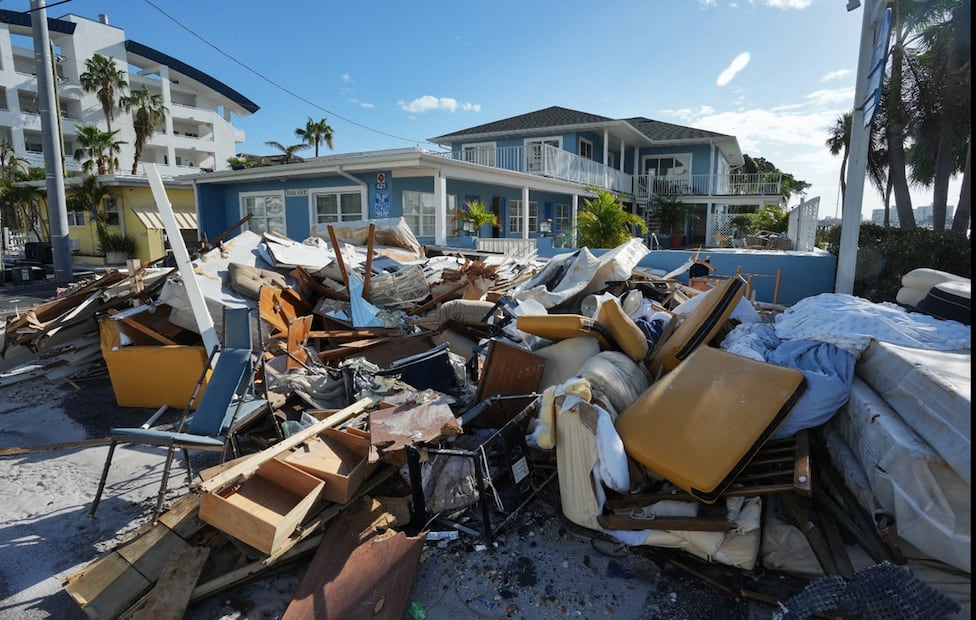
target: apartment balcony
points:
(735, 187)
(548, 161)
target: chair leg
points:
(162, 484)
(101, 482)
(189, 466)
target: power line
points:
(277, 85)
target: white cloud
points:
(738, 64)
(836, 75)
(366, 105)
(707, 4)
(429, 103)
(788, 4)
(346, 78)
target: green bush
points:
(886, 254)
(117, 243)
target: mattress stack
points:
(907, 425)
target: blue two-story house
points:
(533, 171)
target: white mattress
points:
(931, 503)
(930, 391)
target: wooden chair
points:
(228, 399)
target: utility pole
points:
(49, 107)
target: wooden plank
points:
(54, 447)
(170, 597)
(139, 327)
(247, 466)
(149, 553)
(107, 586)
(298, 329)
(357, 573)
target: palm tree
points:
(839, 141)
(99, 150)
(316, 133)
(89, 195)
(103, 78)
(149, 113)
(287, 151)
(603, 223)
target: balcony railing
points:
(738, 184)
(548, 161)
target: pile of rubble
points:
(406, 387)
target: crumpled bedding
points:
(823, 336)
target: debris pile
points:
(405, 390)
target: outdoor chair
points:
(228, 399)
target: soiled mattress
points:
(931, 503)
(930, 390)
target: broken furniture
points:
(503, 470)
(701, 424)
(227, 402)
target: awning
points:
(149, 216)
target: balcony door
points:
(671, 173)
(534, 153)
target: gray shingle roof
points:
(556, 116)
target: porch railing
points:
(737, 184)
(548, 161)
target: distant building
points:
(198, 134)
(923, 216)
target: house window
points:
(564, 217)
(671, 173)
(77, 218)
(113, 214)
(267, 212)
(481, 153)
(534, 153)
(586, 149)
(340, 205)
(420, 209)
(515, 216)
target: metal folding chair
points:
(228, 398)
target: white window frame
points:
(484, 153)
(113, 212)
(259, 224)
(78, 218)
(318, 226)
(564, 217)
(670, 183)
(586, 148)
(533, 151)
(427, 212)
(515, 216)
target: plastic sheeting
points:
(931, 391)
(930, 502)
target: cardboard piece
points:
(265, 509)
(339, 457)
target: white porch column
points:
(168, 102)
(525, 212)
(440, 212)
(606, 158)
(712, 170)
(574, 211)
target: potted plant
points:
(116, 248)
(673, 215)
(604, 223)
(474, 216)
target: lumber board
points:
(170, 597)
(54, 447)
(106, 587)
(247, 466)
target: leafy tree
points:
(90, 196)
(287, 151)
(148, 113)
(839, 142)
(106, 80)
(240, 162)
(315, 133)
(788, 183)
(603, 222)
(99, 150)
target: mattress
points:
(929, 500)
(930, 391)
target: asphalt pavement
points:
(18, 296)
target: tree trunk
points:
(896, 130)
(960, 223)
(950, 101)
(136, 157)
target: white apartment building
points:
(198, 133)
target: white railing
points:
(504, 245)
(548, 161)
(753, 184)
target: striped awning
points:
(186, 218)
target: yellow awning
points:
(186, 218)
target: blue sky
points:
(392, 74)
